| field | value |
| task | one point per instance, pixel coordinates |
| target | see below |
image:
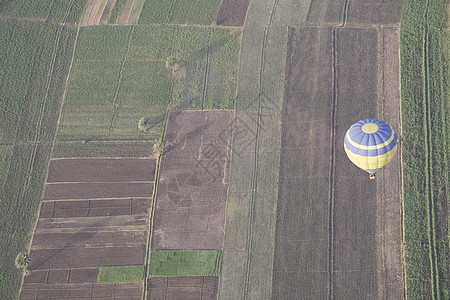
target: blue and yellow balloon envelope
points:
(370, 144)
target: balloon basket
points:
(372, 176)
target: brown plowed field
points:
(60, 191)
(124, 16)
(94, 208)
(182, 288)
(232, 12)
(73, 238)
(109, 221)
(87, 257)
(84, 239)
(101, 170)
(190, 205)
(125, 291)
(341, 229)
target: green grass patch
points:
(121, 274)
(425, 159)
(185, 263)
(115, 12)
(57, 10)
(203, 12)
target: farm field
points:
(425, 162)
(202, 12)
(65, 11)
(35, 66)
(127, 65)
(95, 227)
(183, 287)
(238, 185)
(193, 181)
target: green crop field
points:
(119, 75)
(35, 65)
(121, 274)
(202, 12)
(56, 10)
(185, 263)
(425, 148)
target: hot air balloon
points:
(370, 144)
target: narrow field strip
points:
(424, 119)
(431, 210)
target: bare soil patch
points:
(87, 257)
(190, 204)
(301, 243)
(59, 191)
(101, 170)
(232, 12)
(94, 208)
(98, 222)
(124, 17)
(128, 291)
(182, 288)
(93, 12)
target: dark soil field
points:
(101, 170)
(190, 202)
(74, 238)
(125, 291)
(341, 227)
(232, 12)
(182, 288)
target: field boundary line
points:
(429, 166)
(331, 181)
(119, 80)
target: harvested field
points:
(190, 203)
(125, 14)
(61, 191)
(93, 233)
(381, 12)
(93, 208)
(101, 170)
(182, 288)
(232, 12)
(97, 12)
(125, 291)
(302, 210)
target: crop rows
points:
(44, 9)
(180, 12)
(36, 65)
(425, 159)
(112, 85)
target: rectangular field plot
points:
(374, 12)
(301, 259)
(190, 205)
(60, 10)
(232, 12)
(202, 12)
(103, 149)
(184, 263)
(183, 287)
(101, 170)
(122, 291)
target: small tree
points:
(158, 147)
(172, 64)
(23, 259)
(144, 124)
